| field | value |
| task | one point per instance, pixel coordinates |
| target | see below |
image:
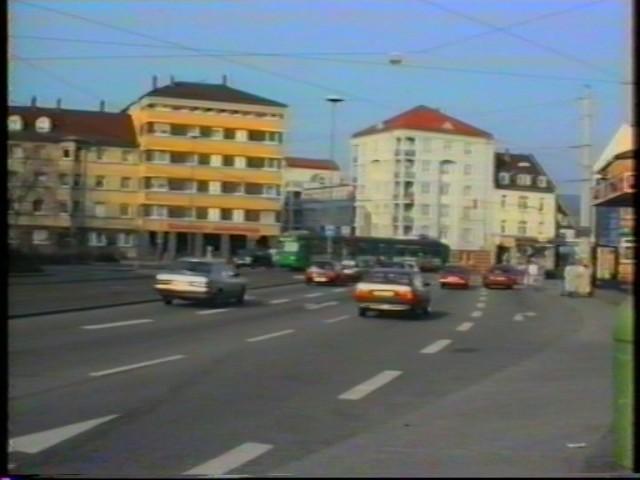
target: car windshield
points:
(195, 266)
(323, 265)
(395, 278)
(455, 270)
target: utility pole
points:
(586, 158)
(334, 100)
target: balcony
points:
(616, 191)
(404, 152)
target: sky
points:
(515, 68)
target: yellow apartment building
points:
(211, 169)
(72, 180)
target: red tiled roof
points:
(313, 163)
(96, 127)
(425, 119)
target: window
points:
(271, 190)
(158, 184)
(67, 154)
(63, 179)
(467, 148)
(37, 206)
(541, 205)
(43, 125)
(128, 156)
(97, 239)
(466, 234)
(273, 137)
(99, 209)
(466, 213)
(15, 123)
(63, 207)
(241, 135)
(40, 177)
(217, 133)
(99, 181)
(444, 189)
(540, 228)
(17, 151)
(125, 183)
(125, 239)
(125, 210)
(447, 145)
(523, 203)
(161, 129)
(522, 228)
(467, 190)
(444, 211)
(226, 214)
(503, 226)
(193, 131)
(252, 216)
(159, 157)
(503, 178)
(272, 163)
(156, 211)
(76, 207)
(40, 237)
(542, 181)
(425, 210)
(426, 144)
(99, 153)
(503, 201)
(474, 203)
(425, 187)
(444, 232)
(445, 167)
(77, 180)
(467, 169)
(426, 165)
(523, 179)
(228, 161)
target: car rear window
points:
(395, 278)
(193, 266)
(460, 270)
(503, 270)
(323, 265)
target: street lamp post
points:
(334, 100)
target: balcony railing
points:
(625, 183)
(405, 152)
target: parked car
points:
(325, 272)
(198, 279)
(253, 258)
(502, 276)
(393, 289)
(455, 276)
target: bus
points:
(297, 249)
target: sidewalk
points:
(73, 288)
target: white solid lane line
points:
(315, 306)
(370, 385)
(477, 313)
(215, 310)
(464, 326)
(279, 300)
(137, 365)
(436, 346)
(481, 305)
(337, 319)
(518, 317)
(231, 459)
(36, 442)
(311, 295)
(270, 335)
(116, 324)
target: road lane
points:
(281, 396)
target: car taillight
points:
(407, 295)
(360, 293)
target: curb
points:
(85, 280)
(120, 304)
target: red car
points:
(325, 272)
(500, 276)
(455, 276)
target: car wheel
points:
(362, 312)
(167, 300)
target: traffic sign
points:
(345, 230)
(330, 230)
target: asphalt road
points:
(295, 383)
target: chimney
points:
(154, 81)
(59, 103)
(224, 79)
(34, 101)
(102, 105)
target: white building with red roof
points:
(423, 172)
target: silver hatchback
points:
(197, 279)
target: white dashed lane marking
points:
(337, 319)
(518, 317)
(481, 305)
(530, 314)
(215, 310)
(365, 388)
(116, 324)
(270, 335)
(230, 460)
(477, 313)
(279, 300)
(311, 295)
(436, 346)
(339, 289)
(137, 365)
(464, 326)
(315, 306)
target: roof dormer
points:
(43, 125)
(15, 123)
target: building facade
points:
(321, 206)
(211, 168)
(300, 173)
(72, 180)
(187, 169)
(425, 173)
(525, 210)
